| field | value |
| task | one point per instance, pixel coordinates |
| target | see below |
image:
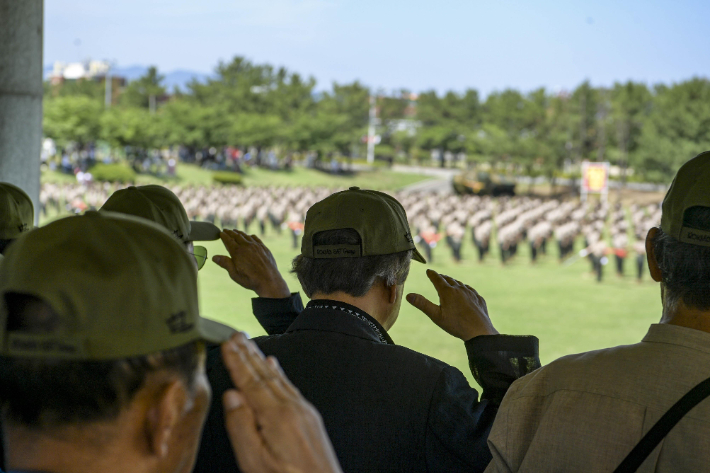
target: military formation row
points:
(433, 217)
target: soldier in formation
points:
(512, 221)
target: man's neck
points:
(687, 317)
(368, 303)
(29, 451)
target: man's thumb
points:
(425, 305)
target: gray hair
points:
(44, 393)
(353, 276)
(685, 267)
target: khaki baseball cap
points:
(160, 205)
(690, 188)
(17, 213)
(378, 218)
(121, 287)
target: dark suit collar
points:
(336, 316)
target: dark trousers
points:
(275, 223)
(455, 246)
(598, 267)
(619, 265)
(427, 252)
(504, 254)
(481, 251)
(640, 262)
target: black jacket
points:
(385, 407)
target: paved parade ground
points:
(563, 305)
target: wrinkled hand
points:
(462, 311)
(251, 265)
(272, 428)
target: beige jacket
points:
(584, 413)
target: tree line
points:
(652, 130)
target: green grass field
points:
(563, 306)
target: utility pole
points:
(371, 131)
(151, 103)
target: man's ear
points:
(653, 266)
(163, 416)
(393, 293)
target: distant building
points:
(87, 70)
(95, 71)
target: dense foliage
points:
(113, 173)
(247, 105)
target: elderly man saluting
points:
(587, 412)
(102, 360)
(385, 407)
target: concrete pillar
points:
(21, 33)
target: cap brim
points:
(416, 256)
(213, 331)
(203, 231)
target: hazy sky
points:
(441, 44)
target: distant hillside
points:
(180, 78)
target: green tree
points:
(403, 142)
(347, 105)
(631, 103)
(393, 107)
(144, 91)
(71, 88)
(489, 143)
(507, 112)
(446, 121)
(584, 106)
(191, 124)
(677, 129)
(134, 127)
(260, 131)
(72, 118)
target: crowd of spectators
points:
(108, 366)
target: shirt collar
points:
(336, 316)
(677, 335)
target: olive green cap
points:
(160, 205)
(121, 287)
(378, 218)
(690, 188)
(17, 213)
